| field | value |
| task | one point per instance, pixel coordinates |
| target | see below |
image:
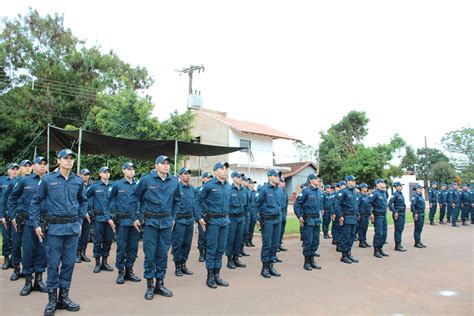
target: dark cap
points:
(377, 181)
(342, 183)
(39, 159)
(349, 178)
(127, 165)
(66, 152)
(397, 184)
(13, 165)
(184, 170)
(434, 182)
(312, 176)
(282, 179)
(25, 162)
(236, 174)
(251, 181)
(85, 171)
(104, 169)
(363, 185)
(220, 165)
(327, 186)
(418, 186)
(207, 175)
(244, 178)
(162, 158)
(273, 172)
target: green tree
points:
(443, 172)
(409, 160)
(460, 143)
(427, 158)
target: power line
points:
(52, 115)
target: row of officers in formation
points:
(46, 220)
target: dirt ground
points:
(436, 280)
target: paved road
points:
(408, 283)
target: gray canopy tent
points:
(86, 142)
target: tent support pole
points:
(175, 155)
(79, 151)
(47, 147)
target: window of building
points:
(245, 143)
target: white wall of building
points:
(261, 147)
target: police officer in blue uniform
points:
(378, 201)
(433, 200)
(17, 223)
(455, 200)
(104, 227)
(5, 219)
(238, 206)
(418, 209)
(269, 221)
(443, 202)
(212, 210)
(246, 186)
(347, 206)
(284, 212)
(328, 199)
(157, 194)
(34, 257)
(449, 206)
(336, 226)
(398, 208)
(183, 229)
(365, 210)
(253, 212)
(85, 175)
(66, 205)
(201, 244)
(465, 205)
(308, 209)
(123, 208)
(471, 201)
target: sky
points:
(298, 66)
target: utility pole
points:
(190, 70)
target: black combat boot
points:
(84, 256)
(377, 253)
(351, 258)
(265, 272)
(238, 263)
(218, 279)
(97, 265)
(273, 271)
(367, 244)
(178, 272)
(120, 276)
(130, 276)
(64, 302)
(52, 302)
(307, 263)
(161, 289)
(28, 287)
(418, 245)
(105, 266)
(383, 253)
(362, 244)
(313, 263)
(78, 257)
(7, 263)
(201, 255)
(210, 281)
(399, 247)
(150, 289)
(39, 284)
(16, 273)
(243, 253)
(345, 258)
(185, 269)
(230, 262)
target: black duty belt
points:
(184, 216)
(157, 215)
(269, 217)
(344, 213)
(311, 215)
(61, 220)
(379, 213)
(98, 213)
(121, 215)
(215, 215)
(22, 215)
(236, 215)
